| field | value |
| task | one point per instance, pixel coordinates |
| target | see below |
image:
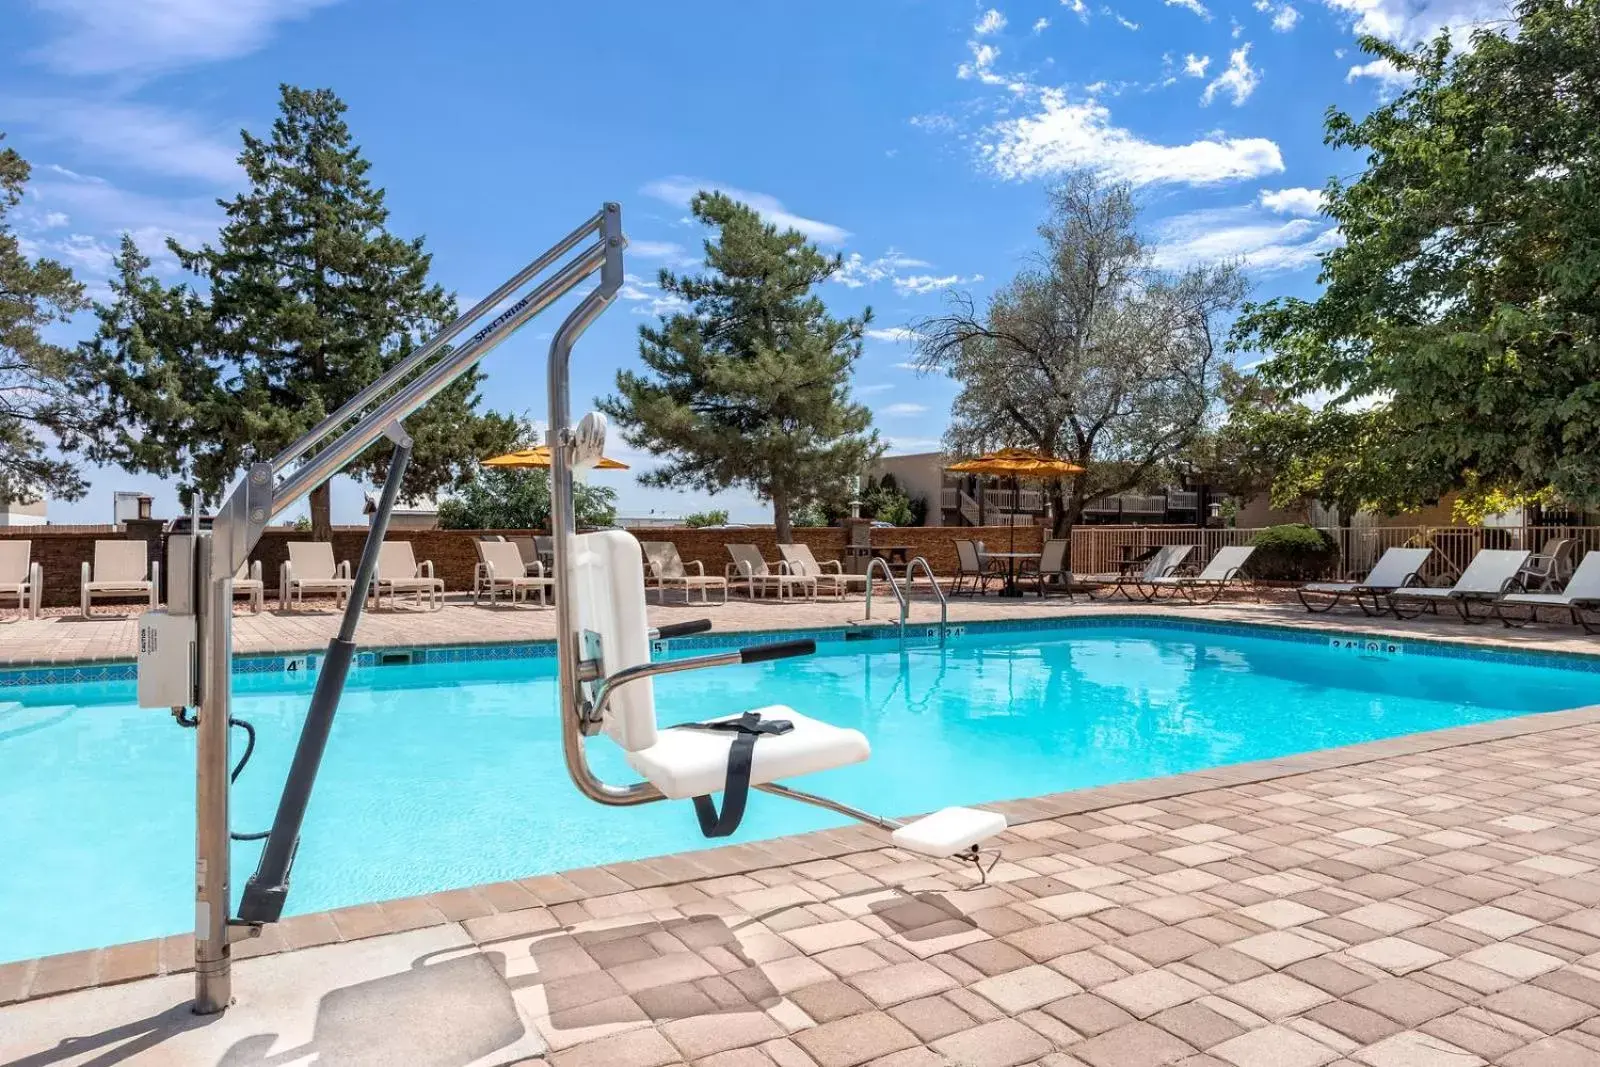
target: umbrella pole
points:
(1012, 589)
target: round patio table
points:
(1011, 588)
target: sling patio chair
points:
(974, 569)
(1581, 598)
(1225, 568)
(800, 559)
(21, 577)
(1162, 563)
(1548, 568)
(310, 569)
(1398, 568)
(1491, 575)
(399, 572)
(1051, 568)
(749, 567)
(664, 567)
(503, 568)
(120, 569)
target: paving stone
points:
(1409, 1048)
(1281, 914)
(1541, 1009)
(1048, 942)
(1002, 1043)
(1396, 955)
(1494, 922)
(932, 1017)
(1353, 1021)
(1328, 975)
(1089, 969)
(1142, 995)
(704, 1035)
(1513, 960)
(1197, 1025)
(1552, 1052)
(858, 1039)
(1275, 996)
(1164, 945)
(1135, 1045)
(1025, 988)
(1475, 1036)
(1405, 1001)
(1274, 1046)
(827, 1001)
(636, 1048)
(1089, 1014)
(1279, 948)
(993, 957)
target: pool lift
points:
(603, 638)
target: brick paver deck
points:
(1429, 899)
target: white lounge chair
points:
(1224, 569)
(1162, 563)
(1398, 568)
(1581, 598)
(801, 560)
(247, 580)
(120, 569)
(664, 567)
(1491, 575)
(748, 566)
(399, 572)
(20, 576)
(1051, 567)
(503, 568)
(310, 569)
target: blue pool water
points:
(440, 776)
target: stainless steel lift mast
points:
(268, 488)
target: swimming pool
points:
(446, 775)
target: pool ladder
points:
(879, 563)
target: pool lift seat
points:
(730, 754)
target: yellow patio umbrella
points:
(540, 457)
(1019, 463)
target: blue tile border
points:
(867, 634)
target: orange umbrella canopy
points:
(540, 457)
(1018, 462)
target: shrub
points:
(1294, 552)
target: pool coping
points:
(1314, 629)
(500, 910)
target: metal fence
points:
(1101, 549)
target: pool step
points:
(949, 831)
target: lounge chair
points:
(1398, 568)
(664, 567)
(749, 567)
(1162, 563)
(1051, 567)
(801, 561)
(310, 569)
(1581, 597)
(503, 568)
(20, 576)
(1225, 568)
(974, 569)
(120, 569)
(1550, 566)
(247, 580)
(399, 572)
(533, 564)
(1491, 575)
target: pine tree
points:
(750, 386)
(37, 405)
(308, 298)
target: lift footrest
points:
(949, 831)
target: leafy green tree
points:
(38, 406)
(750, 386)
(1091, 354)
(304, 299)
(500, 498)
(717, 517)
(1456, 341)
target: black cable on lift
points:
(191, 721)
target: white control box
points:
(166, 660)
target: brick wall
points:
(62, 550)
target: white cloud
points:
(908, 365)
(1078, 8)
(1125, 23)
(680, 190)
(900, 446)
(991, 21)
(147, 36)
(53, 220)
(1286, 19)
(1239, 80)
(1061, 135)
(858, 271)
(927, 283)
(1041, 25)
(1295, 201)
(150, 139)
(982, 65)
(650, 297)
(1263, 244)
(877, 387)
(101, 212)
(1195, 66)
(893, 333)
(668, 252)
(1192, 5)
(1410, 22)
(898, 410)
(1388, 76)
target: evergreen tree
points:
(37, 404)
(308, 298)
(750, 386)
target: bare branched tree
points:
(1090, 354)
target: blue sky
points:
(915, 137)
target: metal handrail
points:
(944, 603)
(879, 561)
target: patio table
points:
(1011, 588)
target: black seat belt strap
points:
(736, 788)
